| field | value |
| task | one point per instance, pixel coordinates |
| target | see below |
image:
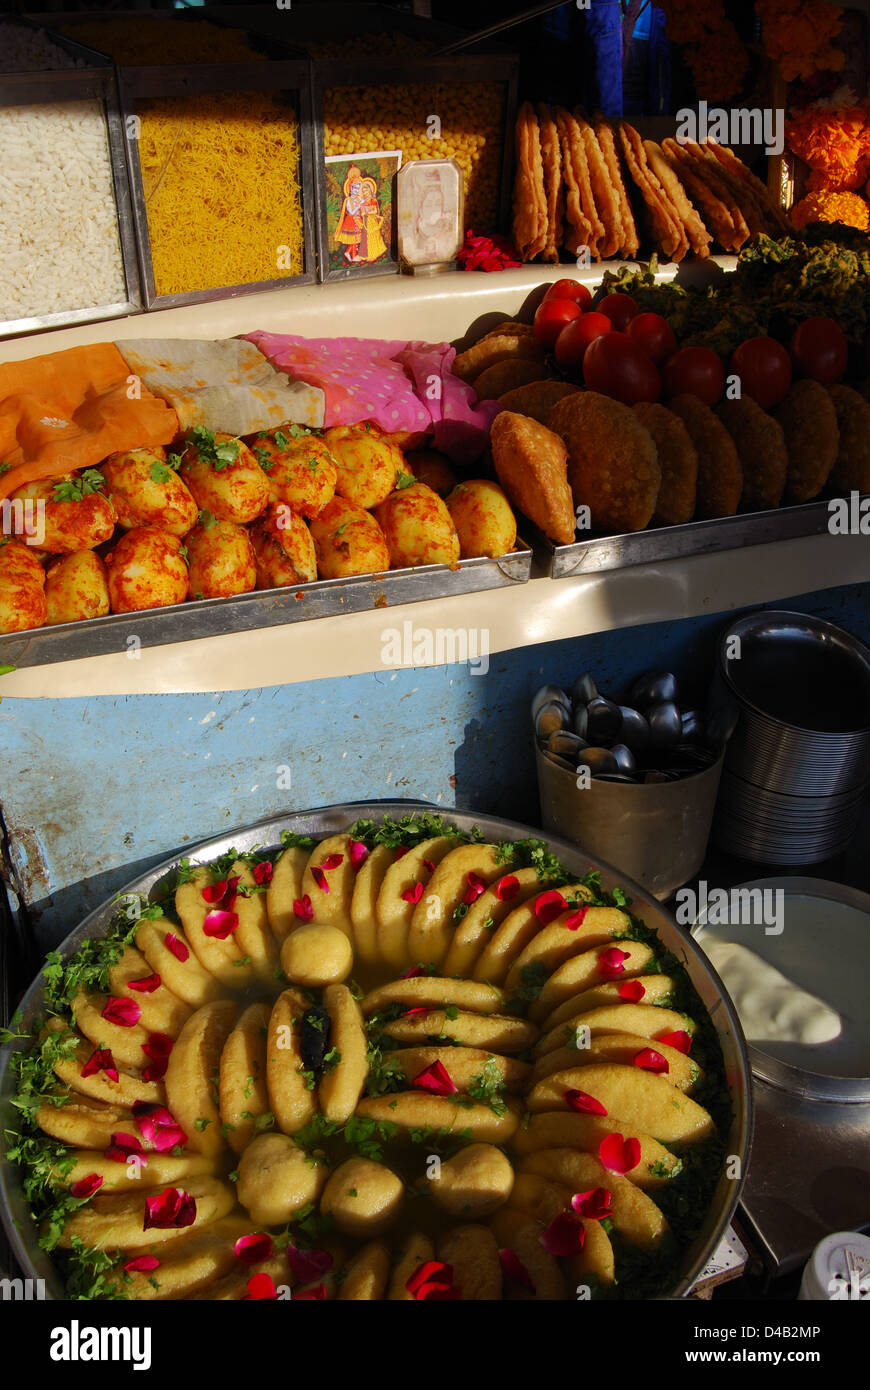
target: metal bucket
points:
(793, 694)
(656, 833)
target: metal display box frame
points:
(136, 84)
(407, 72)
(601, 553)
(81, 84)
(322, 598)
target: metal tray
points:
(78, 84)
(333, 820)
(323, 598)
(650, 547)
(281, 74)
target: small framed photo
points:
(358, 217)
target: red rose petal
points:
(320, 879)
(584, 1104)
(429, 1293)
(413, 894)
(435, 1079)
(410, 1012)
(402, 851)
(632, 991)
(514, 1268)
(359, 853)
(650, 1060)
(263, 872)
(124, 1147)
(507, 888)
(564, 1236)
(231, 894)
(413, 973)
(86, 1187)
(332, 861)
(261, 1286)
(142, 1264)
(318, 1293)
(146, 985)
(576, 919)
(549, 906)
(302, 909)
(178, 948)
(171, 1209)
(427, 864)
(308, 1265)
(611, 962)
(593, 1205)
(220, 923)
(432, 1279)
(254, 1248)
(475, 886)
(101, 1059)
(125, 1013)
(158, 1045)
(213, 892)
(158, 1127)
(618, 1155)
(156, 1070)
(682, 1041)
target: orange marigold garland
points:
(834, 142)
(797, 35)
(832, 207)
(715, 56)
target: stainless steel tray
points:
(332, 820)
(324, 598)
(650, 547)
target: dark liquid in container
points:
(809, 684)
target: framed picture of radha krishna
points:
(359, 237)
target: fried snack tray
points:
(322, 598)
(594, 554)
(332, 820)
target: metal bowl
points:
(332, 820)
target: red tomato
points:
(819, 349)
(576, 336)
(551, 317)
(617, 367)
(764, 369)
(619, 308)
(655, 335)
(695, 371)
(570, 289)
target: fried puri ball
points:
(678, 460)
(433, 469)
(300, 469)
(348, 540)
(613, 467)
(76, 587)
(496, 347)
(68, 523)
(762, 451)
(315, 955)
(221, 560)
(22, 588)
(146, 569)
(364, 1198)
(475, 1182)
(367, 464)
(531, 464)
(277, 1178)
(505, 375)
(808, 419)
(418, 528)
(283, 548)
(472, 1252)
(720, 476)
(852, 469)
(232, 485)
(146, 492)
(483, 519)
(537, 398)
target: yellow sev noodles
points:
(220, 176)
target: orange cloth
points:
(70, 410)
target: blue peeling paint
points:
(96, 790)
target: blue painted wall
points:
(94, 791)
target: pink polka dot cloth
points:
(395, 384)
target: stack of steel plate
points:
(793, 692)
